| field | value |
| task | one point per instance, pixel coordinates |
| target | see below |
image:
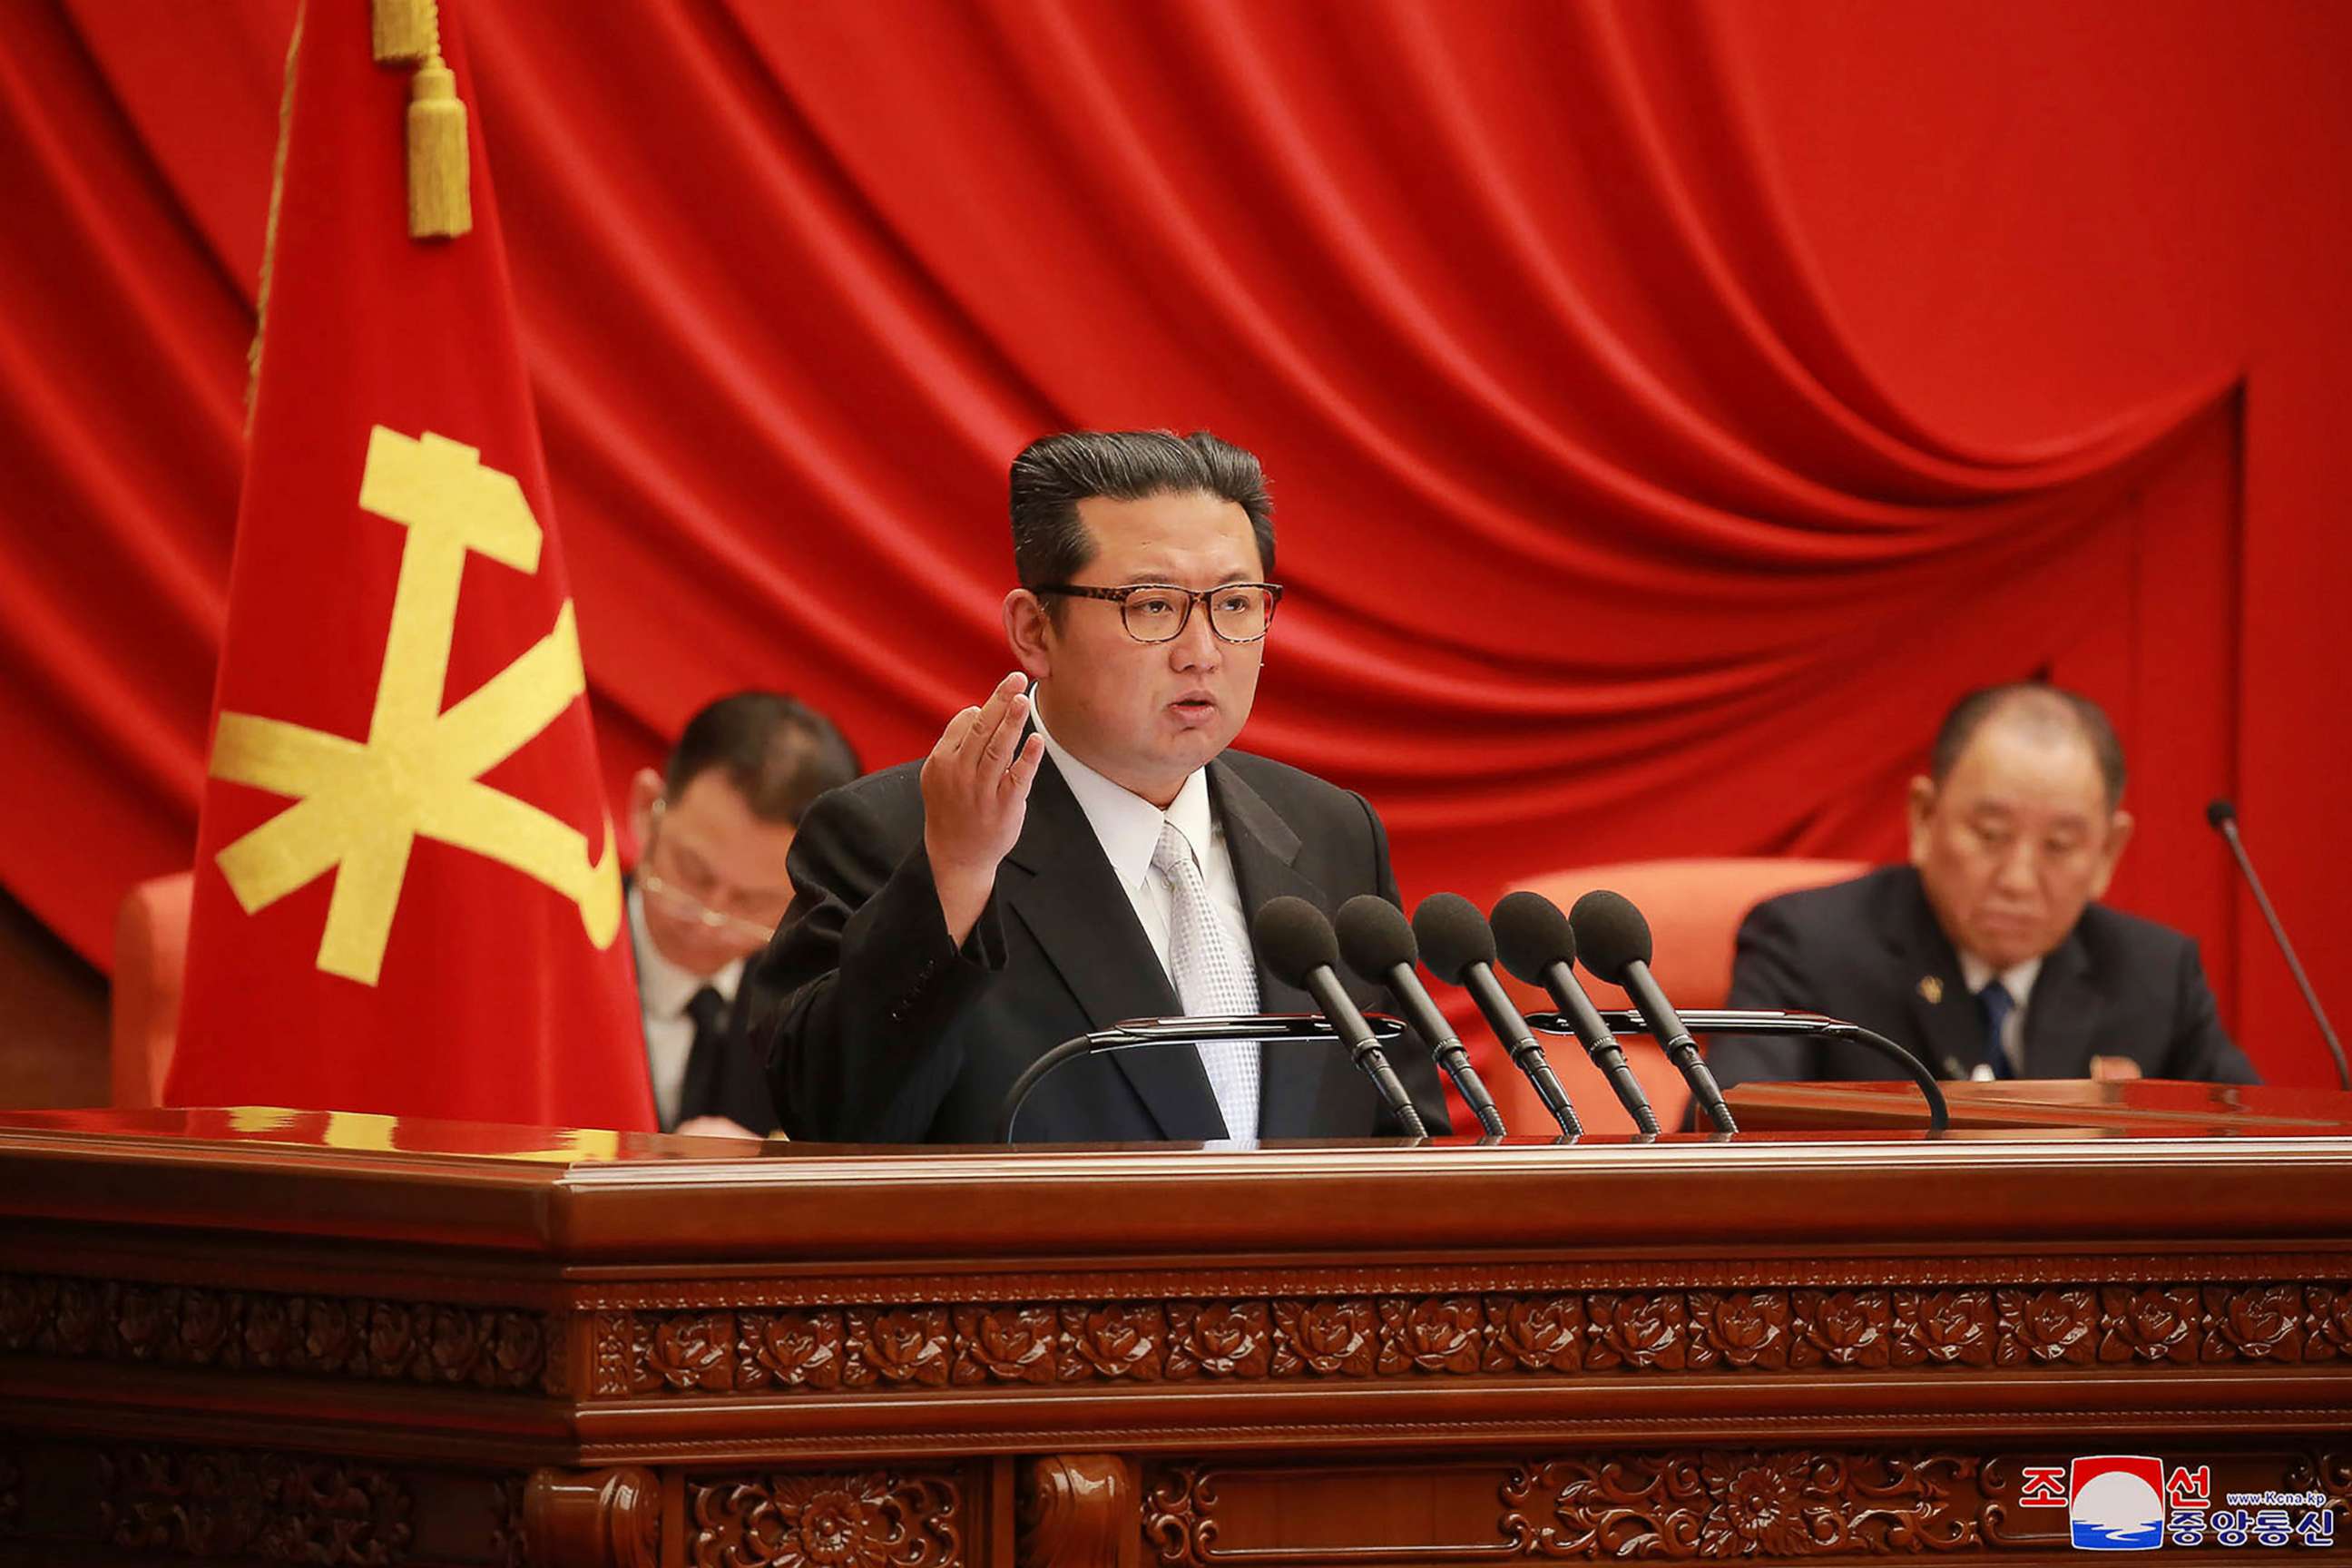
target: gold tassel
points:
(404, 32)
(440, 176)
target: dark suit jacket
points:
(733, 1085)
(2118, 986)
(878, 1030)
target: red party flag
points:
(406, 898)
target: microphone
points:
(1615, 941)
(1296, 944)
(1537, 946)
(1460, 950)
(1380, 947)
(2224, 819)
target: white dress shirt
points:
(2018, 981)
(663, 991)
(1128, 825)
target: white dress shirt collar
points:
(1127, 824)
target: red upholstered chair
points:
(150, 961)
(1695, 908)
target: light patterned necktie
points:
(1213, 980)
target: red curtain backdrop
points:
(1670, 407)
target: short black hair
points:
(2040, 702)
(1052, 476)
(777, 752)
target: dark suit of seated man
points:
(1988, 955)
(1044, 874)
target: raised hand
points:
(975, 797)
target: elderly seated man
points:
(1989, 956)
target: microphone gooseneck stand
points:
(1140, 1033)
(1728, 1021)
(2224, 819)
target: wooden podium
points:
(264, 1336)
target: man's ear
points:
(645, 790)
(2119, 832)
(1919, 805)
(1029, 628)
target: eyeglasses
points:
(1159, 612)
(686, 905)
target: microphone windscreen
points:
(1532, 935)
(2220, 812)
(1292, 936)
(1374, 937)
(1452, 936)
(1609, 932)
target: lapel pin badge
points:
(1931, 990)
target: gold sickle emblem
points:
(359, 807)
(1931, 990)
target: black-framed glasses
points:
(1159, 612)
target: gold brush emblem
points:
(1931, 990)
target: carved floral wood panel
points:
(1677, 1504)
(1633, 1332)
(179, 1501)
(714, 1351)
(865, 1519)
(509, 1542)
(1743, 1504)
(61, 1501)
(261, 1331)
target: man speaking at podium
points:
(1080, 847)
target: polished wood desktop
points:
(2144, 1106)
(254, 1336)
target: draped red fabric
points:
(1607, 532)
